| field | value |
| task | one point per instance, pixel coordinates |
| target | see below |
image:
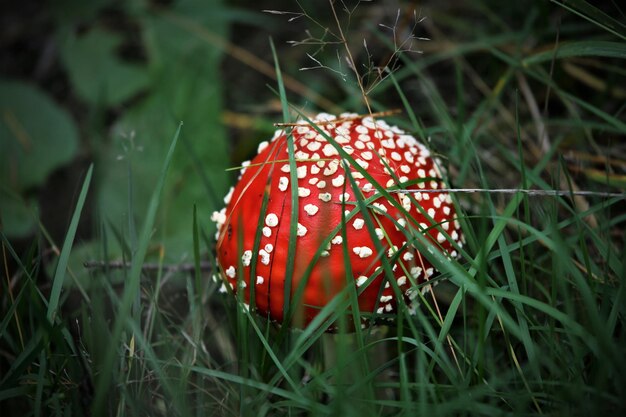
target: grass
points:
(529, 321)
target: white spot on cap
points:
(362, 251)
(325, 197)
(246, 257)
(329, 150)
(301, 172)
(283, 183)
(259, 280)
(342, 130)
(388, 143)
(285, 168)
(406, 202)
(405, 168)
(314, 146)
(361, 280)
(324, 253)
(230, 272)
(408, 256)
(303, 192)
(361, 129)
(337, 240)
(367, 187)
(380, 207)
(269, 248)
(362, 163)
(338, 180)
(271, 220)
(265, 257)
(341, 139)
(332, 167)
(219, 217)
(301, 230)
(301, 155)
(321, 184)
(431, 212)
(228, 196)
(262, 146)
(401, 280)
(358, 224)
(446, 210)
(311, 209)
(315, 169)
(385, 298)
(416, 271)
(379, 233)
(396, 156)
(344, 197)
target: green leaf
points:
(189, 91)
(98, 74)
(16, 216)
(59, 275)
(36, 136)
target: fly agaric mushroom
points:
(254, 229)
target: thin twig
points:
(343, 119)
(350, 58)
(540, 193)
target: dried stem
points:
(350, 58)
(344, 119)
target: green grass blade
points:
(59, 274)
(103, 381)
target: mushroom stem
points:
(350, 364)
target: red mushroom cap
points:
(328, 210)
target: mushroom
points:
(333, 187)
